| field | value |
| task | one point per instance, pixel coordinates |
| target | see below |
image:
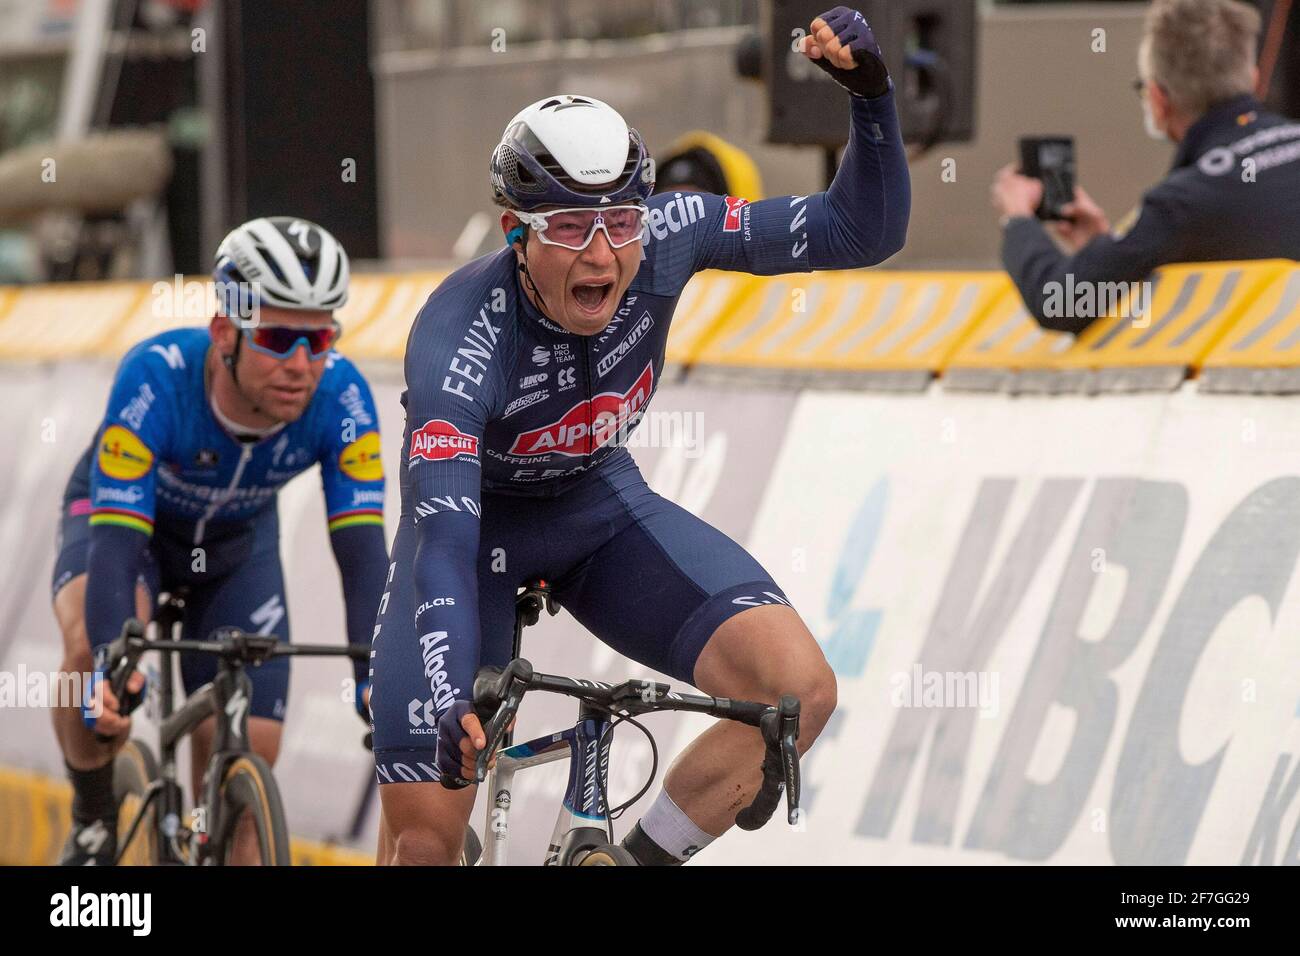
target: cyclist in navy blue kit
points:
(525, 371)
(202, 429)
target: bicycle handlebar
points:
(124, 652)
(498, 693)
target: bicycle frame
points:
(228, 694)
(584, 822)
(583, 806)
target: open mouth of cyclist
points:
(592, 296)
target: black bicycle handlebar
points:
(233, 645)
(498, 693)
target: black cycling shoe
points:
(91, 843)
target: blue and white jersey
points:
(160, 456)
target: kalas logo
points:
(731, 219)
(439, 440)
(588, 425)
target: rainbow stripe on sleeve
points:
(122, 518)
(357, 516)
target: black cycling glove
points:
(870, 78)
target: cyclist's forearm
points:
(362, 558)
(446, 604)
(866, 208)
(112, 564)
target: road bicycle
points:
(584, 830)
(237, 782)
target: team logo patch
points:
(439, 440)
(122, 455)
(588, 425)
(731, 220)
(360, 461)
(625, 345)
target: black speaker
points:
(300, 117)
(929, 47)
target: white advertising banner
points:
(1064, 629)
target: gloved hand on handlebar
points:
(460, 738)
(361, 701)
(100, 707)
(842, 44)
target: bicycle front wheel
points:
(250, 799)
(608, 854)
(134, 769)
(472, 850)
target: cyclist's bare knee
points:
(424, 823)
(426, 847)
(763, 653)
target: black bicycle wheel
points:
(134, 769)
(248, 791)
(473, 848)
(608, 854)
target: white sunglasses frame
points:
(539, 220)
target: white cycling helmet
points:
(292, 263)
(569, 150)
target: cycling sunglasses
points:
(575, 228)
(282, 341)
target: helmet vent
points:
(515, 174)
(270, 261)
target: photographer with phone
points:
(1233, 191)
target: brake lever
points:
(788, 733)
(501, 692)
(496, 730)
(120, 658)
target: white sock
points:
(672, 830)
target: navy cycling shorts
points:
(241, 585)
(642, 574)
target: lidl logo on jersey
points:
(360, 461)
(589, 425)
(439, 440)
(122, 455)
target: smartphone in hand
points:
(1050, 159)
